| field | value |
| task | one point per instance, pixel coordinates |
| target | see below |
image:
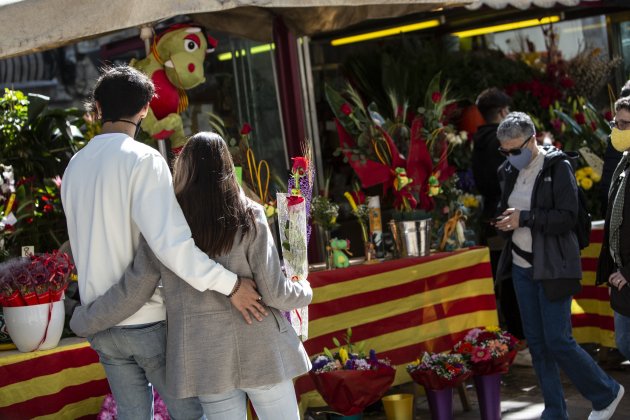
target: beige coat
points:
(210, 348)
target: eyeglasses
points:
(620, 124)
(516, 151)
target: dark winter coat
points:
(486, 160)
(619, 299)
(611, 159)
(553, 215)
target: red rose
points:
(593, 125)
(608, 115)
(48, 208)
(580, 118)
(300, 164)
(293, 200)
(246, 129)
(436, 96)
(346, 109)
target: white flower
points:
(463, 135)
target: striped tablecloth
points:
(67, 382)
(592, 316)
(400, 308)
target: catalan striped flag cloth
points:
(591, 315)
(400, 308)
(66, 382)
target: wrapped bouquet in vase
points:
(293, 214)
(490, 352)
(349, 380)
(31, 292)
(439, 373)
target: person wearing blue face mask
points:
(613, 266)
(538, 211)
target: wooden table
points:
(400, 308)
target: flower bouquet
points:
(488, 351)
(293, 213)
(31, 290)
(439, 373)
(34, 280)
(439, 370)
(349, 380)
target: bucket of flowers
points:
(349, 379)
(31, 292)
(490, 352)
(439, 373)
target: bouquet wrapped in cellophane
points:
(293, 214)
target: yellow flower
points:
(343, 353)
(353, 205)
(493, 328)
(588, 170)
(269, 210)
(470, 201)
(595, 177)
(580, 174)
(586, 183)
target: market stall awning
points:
(32, 25)
(524, 4)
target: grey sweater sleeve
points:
(123, 299)
(276, 290)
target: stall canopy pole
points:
(288, 72)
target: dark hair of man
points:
(491, 101)
(625, 90)
(209, 195)
(121, 92)
(623, 103)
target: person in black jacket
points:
(611, 160)
(539, 207)
(494, 105)
(613, 267)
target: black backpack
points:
(583, 225)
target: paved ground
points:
(520, 398)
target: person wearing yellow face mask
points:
(613, 267)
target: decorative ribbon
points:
(50, 309)
(450, 226)
(255, 171)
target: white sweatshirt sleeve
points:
(156, 212)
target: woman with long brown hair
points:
(212, 353)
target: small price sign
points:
(28, 250)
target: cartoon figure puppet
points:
(175, 65)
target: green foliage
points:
(37, 142)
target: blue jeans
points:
(273, 402)
(622, 334)
(547, 327)
(134, 361)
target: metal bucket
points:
(412, 237)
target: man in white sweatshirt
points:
(113, 190)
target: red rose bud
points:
(346, 109)
(246, 129)
(48, 208)
(580, 118)
(293, 200)
(436, 96)
(300, 164)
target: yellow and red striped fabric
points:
(592, 316)
(400, 308)
(66, 382)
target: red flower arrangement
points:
(34, 280)
(437, 371)
(488, 350)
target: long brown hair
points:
(209, 195)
